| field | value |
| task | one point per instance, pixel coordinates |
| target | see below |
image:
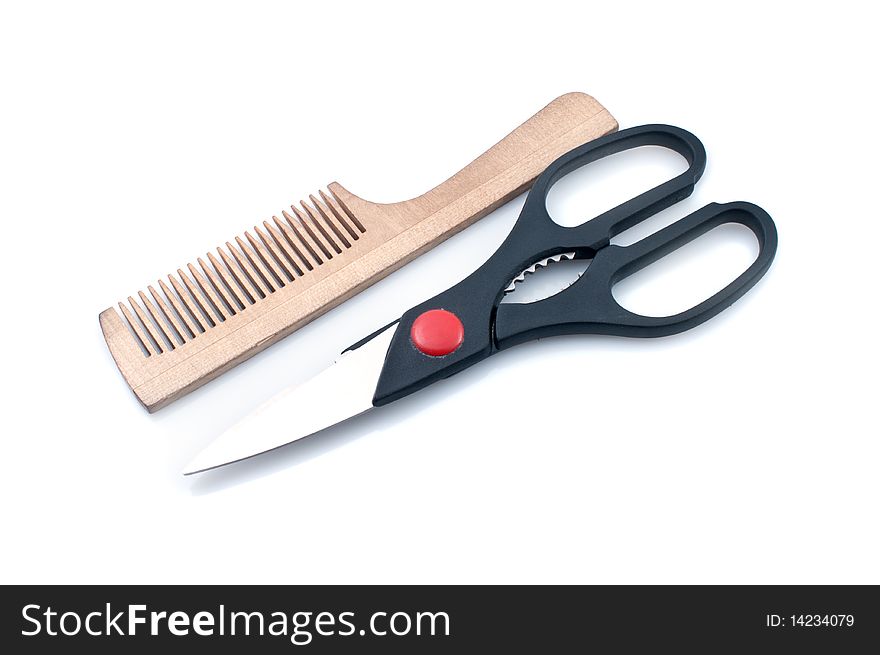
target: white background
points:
(135, 137)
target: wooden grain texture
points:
(275, 278)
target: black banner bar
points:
(392, 619)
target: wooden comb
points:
(232, 303)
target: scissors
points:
(467, 323)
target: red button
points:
(437, 332)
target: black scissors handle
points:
(587, 306)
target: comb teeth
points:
(248, 269)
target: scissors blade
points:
(341, 391)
